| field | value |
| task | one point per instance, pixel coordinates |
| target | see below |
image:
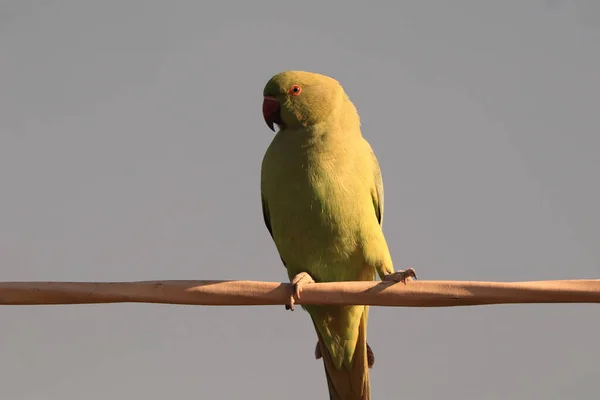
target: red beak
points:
(272, 112)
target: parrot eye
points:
(295, 90)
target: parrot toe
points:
(401, 276)
(370, 355)
(303, 278)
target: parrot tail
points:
(353, 383)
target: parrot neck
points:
(342, 125)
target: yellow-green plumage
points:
(322, 199)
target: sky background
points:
(131, 139)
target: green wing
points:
(377, 195)
(266, 217)
(265, 210)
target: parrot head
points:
(299, 98)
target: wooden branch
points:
(230, 293)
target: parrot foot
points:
(401, 276)
(370, 355)
(303, 278)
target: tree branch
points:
(229, 293)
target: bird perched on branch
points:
(322, 201)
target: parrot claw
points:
(303, 278)
(401, 276)
(370, 355)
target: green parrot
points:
(322, 202)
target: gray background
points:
(131, 138)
